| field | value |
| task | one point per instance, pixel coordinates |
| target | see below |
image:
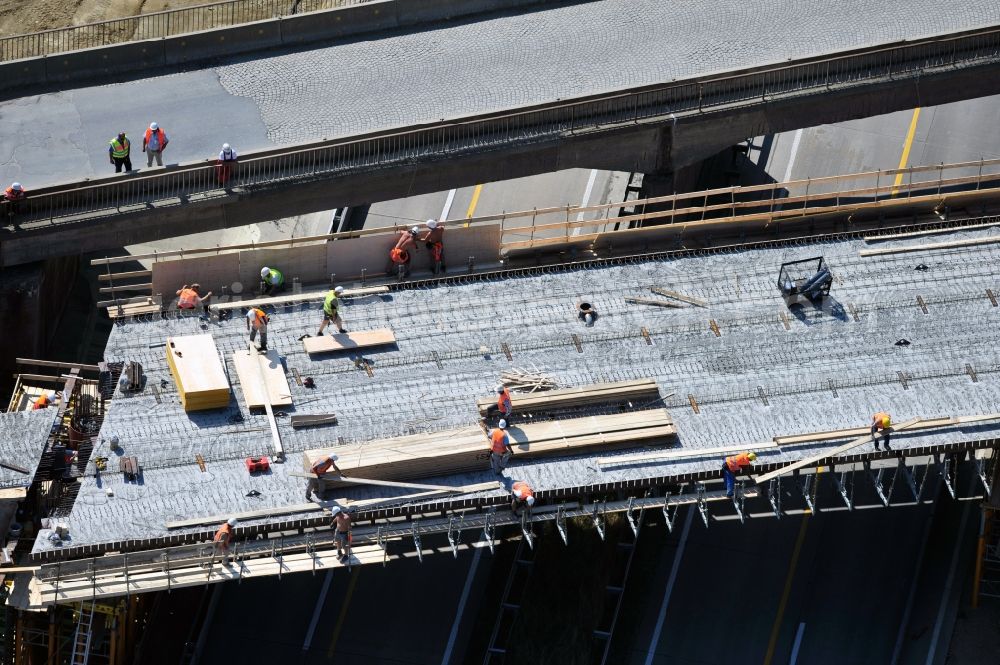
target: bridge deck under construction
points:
(912, 333)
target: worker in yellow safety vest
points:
(331, 311)
(881, 421)
(119, 150)
(272, 280)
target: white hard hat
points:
(500, 389)
(502, 424)
(338, 290)
(432, 223)
(154, 126)
(264, 271)
(226, 147)
(415, 230)
(332, 457)
(335, 510)
(530, 501)
(232, 521)
(16, 186)
(51, 395)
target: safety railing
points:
(450, 139)
(158, 24)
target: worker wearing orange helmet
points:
(881, 421)
(733, 465)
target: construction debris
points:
(521, 380)
(313, 419)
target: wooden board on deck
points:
(198, 373)
(349, 340)
(273, 373)
(565, 397)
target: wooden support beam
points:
(649, 301)
(814, 459)
(56, 364)
(352, 480)
(132, 274)
(126, 287)
(312, 419)
(312, 296)
(954, 244)
(684, 453)
(594, 393)
(677, 296)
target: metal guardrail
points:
(199, 182)
(158, 24)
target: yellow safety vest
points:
(119, 150)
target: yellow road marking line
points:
(343, 611)
(786, 592)
(474, 202)
(907, 144)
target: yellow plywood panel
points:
(262, 376)
(349, 340)
(197, 370)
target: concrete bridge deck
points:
(474, 67)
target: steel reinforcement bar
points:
(93, 200)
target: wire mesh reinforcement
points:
(450, 139)
(156, 25)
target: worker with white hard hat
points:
(14, 197)
(504, 407)
(225, 166)
(331, 310)
(44, 400)
(321, 466)
(433, 237)
(521, 496)
(500, 450)
(223, 537)
(341, 523)
(154, 142)
(272, 280)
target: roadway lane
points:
(463, 68)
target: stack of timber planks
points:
(467, 449)
(197, 370)
(595, 393)
(349, 340)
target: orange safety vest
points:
(161, 137)
(188, 299)
(260, 318)
(224, 535)
(524, 488)
(737, 462)
(504, 403)
(41, 402)
(881, 420)
(14, 195)
(321, 467)
(499, 441)
(399, 255)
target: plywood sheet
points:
(197, 370)
(262, 376)
(349, 340)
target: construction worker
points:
(119, 150)
(44, 400)
(257, 321)
(317, 485)
(225, 167)
(500, 450)
(733, 465)
(223, 537)
(331, 310)
(154, 142)
(521, 496)
(881, 421)
(434, 240)
(341, 523)
(505, 406)
(188, 298)
(402, 253)
(272, 279)
(14, 196)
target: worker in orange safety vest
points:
(223, 537)
(881, 421)
(257, 321)
(317, 485)
(44, 400)
(521, 496)
(154, 142)
(14, 197)
(505, 406)
(500, 450)
(188, 298)
(733, 465)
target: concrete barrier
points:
(307, 262)
(211, 272)
(416, 12)
(209, 44)
(20, 73)
(335, 23)
(104, 60)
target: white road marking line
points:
(586, 198)
(319, 606)
(797, 644)
(651, 653)
(791, 156)
(461, 607)
(447, 205)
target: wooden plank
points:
(131, 274)
(649, 301)
(13, 467)
(262, 377)
(678, 296)
(579, 396)
(930, 247)
(689, 453)
(198, 373)
(58, 365)
(353, 480)
(813, 459)
(349, 340)
(830, 435)
(312, 419)
(126, 287)
(133, 310)
(248, 515)
(312, 296)
(405, 498)
(134, 300)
